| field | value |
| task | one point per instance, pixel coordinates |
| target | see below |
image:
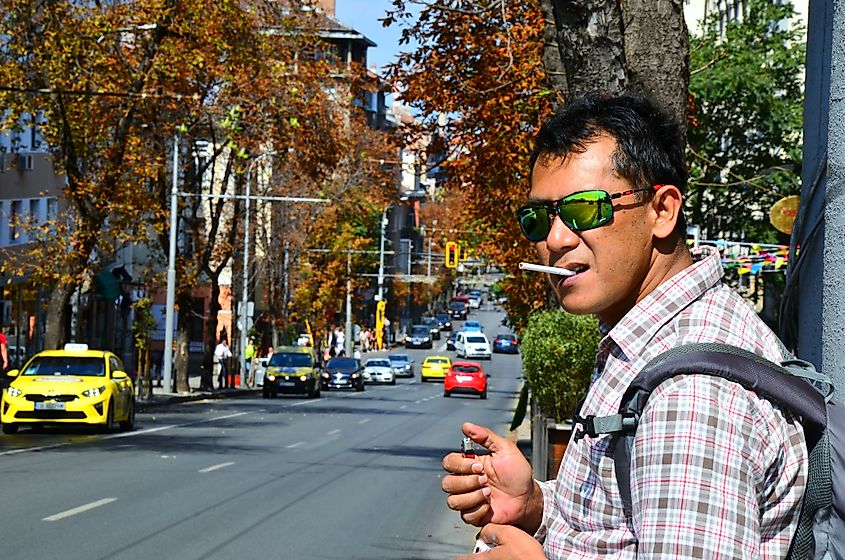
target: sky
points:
(363, 16)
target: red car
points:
(465, 377)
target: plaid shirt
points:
(717, 471)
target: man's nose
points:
(561, 238)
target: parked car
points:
(472, 345)
(467, 378)
(379, 370)
(474, 326)
(343, 373)
(420, 337)
(433, 326)
(435, 367)
(74, 385)
(292, 370)
(505, 343)
(445, 321)
(403, 365)
(457, 310)
(450, 342)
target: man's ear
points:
(667, 205)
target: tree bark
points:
(635, 46)
(552, 60)
(181, 358)
(54, 332)
(657, 53)
(591, 46)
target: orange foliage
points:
(480, 67)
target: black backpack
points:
(793, 385)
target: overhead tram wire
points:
(96, 93)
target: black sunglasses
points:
(580, 211)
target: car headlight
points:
(354, 376)
(303, 377)
(94, 392)
(14, 392)
(271, 377)
(326, 375)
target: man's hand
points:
(495, 488)
(508, 543)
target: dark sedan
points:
(445, 321)
(343, 373)
(505, 344)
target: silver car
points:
(379, 370)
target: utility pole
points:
(348, 338)
(167, 369)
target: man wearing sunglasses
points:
(718, 472)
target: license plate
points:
(286, 384)
(464, 378)
(49, 406)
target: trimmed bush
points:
(558, 355)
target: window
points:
(14, 218)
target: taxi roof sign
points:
(75, 347)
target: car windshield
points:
(378, 363)
(436, 361)
(431, 322)
(420, 331)
(506, 337)
(476, 339)
(442, 317)
(465, 369)
(64, 365)
(290, 359)
(457, 305)
(401, 358)
(344, 363)
(472, 324)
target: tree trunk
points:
(636, 46)
(658, 69)
(552, 61)
(591, 46)
(211, 335)
(54, 334)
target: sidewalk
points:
(161, 396)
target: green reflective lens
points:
(585, 210)
(534, 222)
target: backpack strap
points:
(787, 387)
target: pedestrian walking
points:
(249, 364)
(339, 342)
(716, 470)
(221, 359)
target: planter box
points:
(548, 443)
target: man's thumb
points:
(484, 436)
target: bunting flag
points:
(751, 258)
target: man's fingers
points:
(466, 500)
(456, 463)
(477, 516)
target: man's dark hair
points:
(649, 147)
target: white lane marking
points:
(364, 421)
(331, 433)
(404, 406)
(216, 467)
(80, 509)
(297, 444)
(135, 433)
(417, 402)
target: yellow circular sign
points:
(783, 212)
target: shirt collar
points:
(645, 319)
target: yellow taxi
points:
(435, 368)
(74, 385)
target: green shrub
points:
(558, 355)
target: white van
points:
(472, 345)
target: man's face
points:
(613, 259)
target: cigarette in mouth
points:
(549, 269)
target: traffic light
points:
(453, 254)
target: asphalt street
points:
(347, 476)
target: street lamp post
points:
(381, 255)
(167, 366)
(245, 292)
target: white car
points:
(474, 302)
(472, 345)
(379, 370)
